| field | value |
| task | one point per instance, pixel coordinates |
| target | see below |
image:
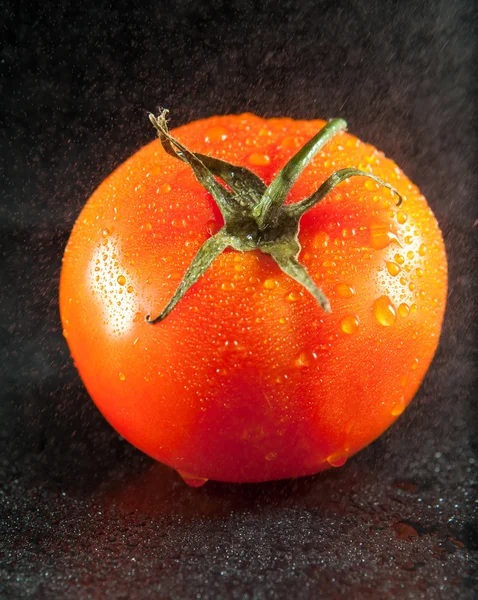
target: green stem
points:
(255, 216)
(276, 194)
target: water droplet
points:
(121, 279)
(410, 255)
(403, 310)
(294, 296)
(411, 287)
(393, 268)
(105, 232)
(148, 227)
(422, 250)
(270, 284)
(398, 407)
(338, 459)
(291, 141)
(350, 324)
(135, 341)
(381, 236)
(259, 159)
(122, 376)
(371, 185)
(271, 456)
(136, 317)
(164, 189)
(345, 290)
(419, 272)
(384, 311)
(216, 134)
(409, 239)
(303, 360)
(414, 364)
(404, 381)
(212, 227)
(129, 289)
(65, 334)
(321, 240)
(399, 259)
(193, 480)
(413, 308)
(401, 217)
(179, 223)
(227, 286)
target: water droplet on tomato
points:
(321, 240)
(399, 259)
(129, 289)
(179, 223)
(338, 459)
(371, 185)
(345, 290)
(381, 236)
(401, 217)
(121, 279)
(216, 134)
(411, 287)
(393, 268)
(294, 296)
(409, 239)
(270, 284)
(212, 227)
(105, 232)
(410, 255)
(384, 311)
(349, 324)
(227, 286)
(403, 310)
(122, 376)
(271, 456)
(414, 364)
(193, 480)
(136, 317)
(422, 250)
(259, 159)
(65, 334)
(398, 407)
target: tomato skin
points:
(248, 379)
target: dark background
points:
(85, 515)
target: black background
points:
(85, 515)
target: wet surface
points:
(85, 515)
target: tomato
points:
(249, 377)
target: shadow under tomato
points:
(159, 491)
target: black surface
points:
(85, 515)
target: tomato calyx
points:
(255, 215)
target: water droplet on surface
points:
(411, 287)
(260, 160)
(227, 286)
(105, 232)
(294, 296)
(136, 317)
(121, 279)
(271, 456)
(65, 334)
(179, 223)
(384, 311)
(371, 185)
(164, 189)
(130, 289)
(193, 480)
(403, 310)
(321, 240)
(349, 324)
(410, 255)
(409, 239)
(422, 250)
(414, 364)
(122, 376)
(345, 290)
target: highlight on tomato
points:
(253, 299)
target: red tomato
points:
(248, 378)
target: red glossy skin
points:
(248, 379)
